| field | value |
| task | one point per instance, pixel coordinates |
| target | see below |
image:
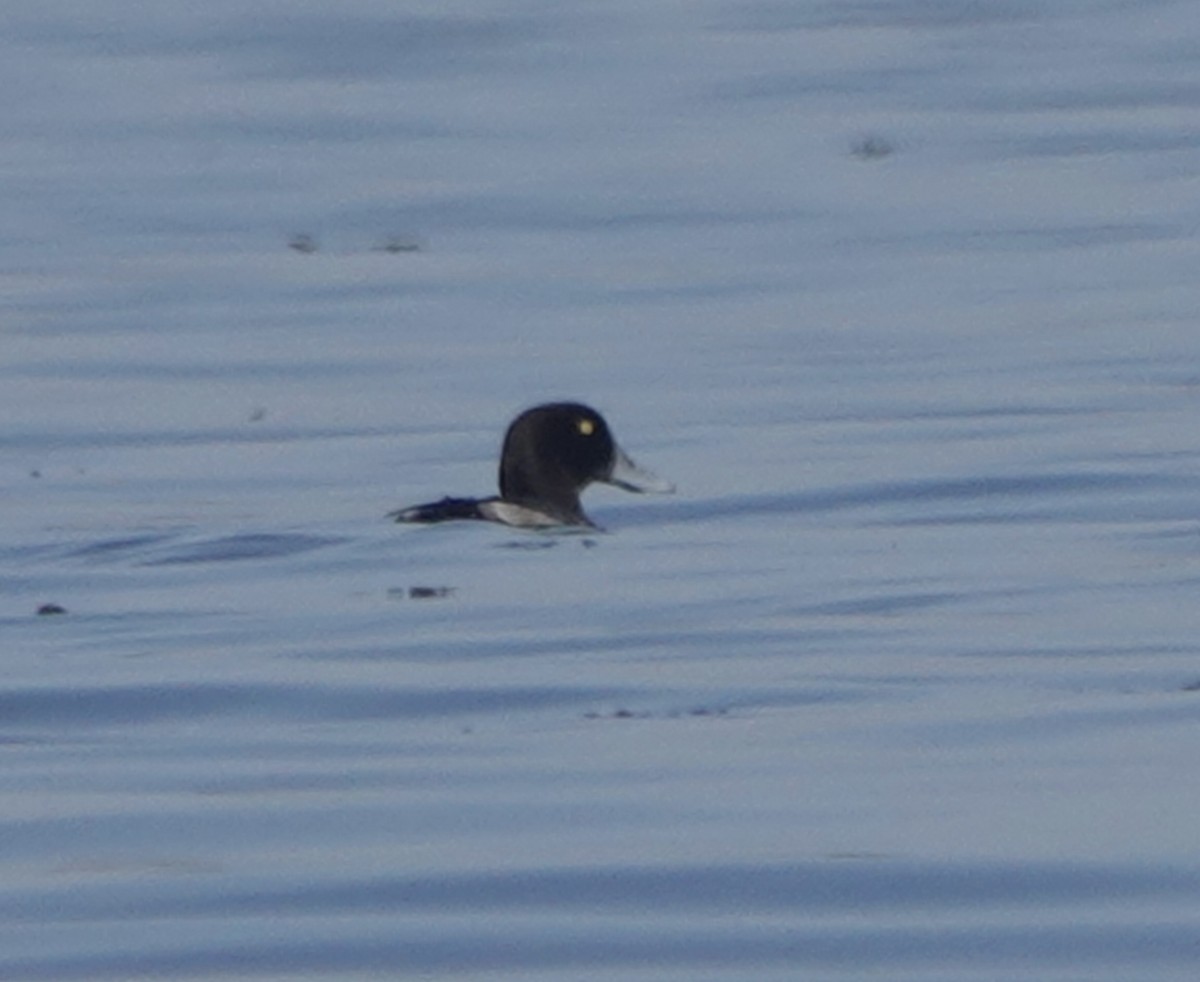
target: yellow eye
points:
(587, 427)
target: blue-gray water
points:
(903, 683)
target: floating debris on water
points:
(420, 592)
(623, 713)
(872, 147)
(398, 244)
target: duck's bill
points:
(626, 474)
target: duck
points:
(550, 454)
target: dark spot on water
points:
(35, 474)
(258, 414)
(872, 147)
(707, 711)
(624, 713)
(305, 244)
(398, 244)
(1192, 687)
(420, 592)
(49, 610)
(429, 592)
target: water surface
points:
(903, 682)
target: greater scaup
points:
(550, 454)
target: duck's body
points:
(550, 454)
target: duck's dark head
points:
(552, 452)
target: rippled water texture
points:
(902, 683)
